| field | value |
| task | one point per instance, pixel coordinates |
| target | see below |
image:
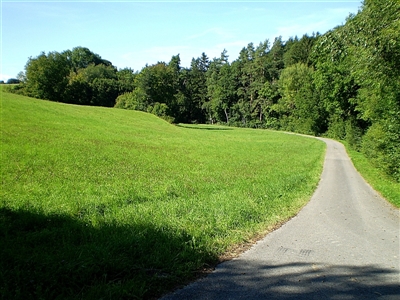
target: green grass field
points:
(100, 203)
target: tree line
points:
(76, 76)
(343, 84)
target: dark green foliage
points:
(126, 78)
(381, 144)
(298, 51)
(93, 85)
(47, 76)
(221, 90)
(81, 58)
(193, 90)
(358, 80)
(168, 91)
(154, 84)
(12, 81)
(252, 73)
(78, 76)
(300, 103)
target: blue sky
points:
(133, 33)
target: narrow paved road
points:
(344, 244)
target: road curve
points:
(344, 244)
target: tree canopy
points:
(76, 76)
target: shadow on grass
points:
(202, 128)
(294, 281)
(54, 256)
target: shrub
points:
(353, 135)
(381, 144)
(12, 81)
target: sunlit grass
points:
(381, 182)
(108, 203)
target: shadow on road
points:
(295, 281)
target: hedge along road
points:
(344, 244)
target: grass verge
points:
(382, 183)
(100, 203)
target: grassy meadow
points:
(102, 203)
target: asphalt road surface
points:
(344, 244)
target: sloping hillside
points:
(102, 202)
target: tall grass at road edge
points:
(381, 182)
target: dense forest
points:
(344, 84)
